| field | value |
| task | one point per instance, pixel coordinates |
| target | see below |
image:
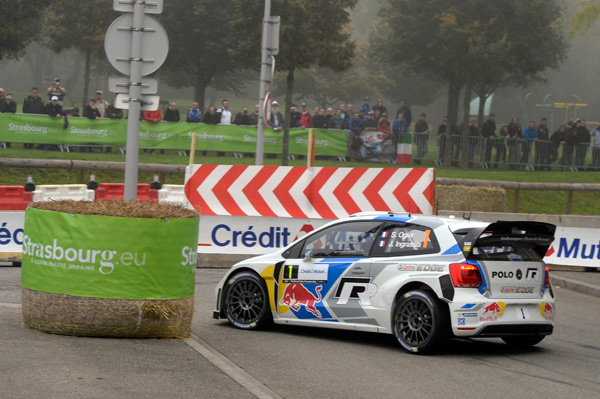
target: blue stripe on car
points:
(483, 287)
(453, 250)
(391, 218)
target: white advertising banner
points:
(11, 231)
(255, 235)
(575, 247)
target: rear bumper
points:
(520, 330)
(516, 317)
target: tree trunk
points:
(199, 90)
(482, 100)
(69, 85)
(465, 139)
(49, 68)
(86, 78)
(285, 149)
(213, 97)
(453, 97)
(36, 60)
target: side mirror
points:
(308, 256)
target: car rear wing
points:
(537, 235)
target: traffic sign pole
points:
(124, 46)
(264, 72)
(133, 116)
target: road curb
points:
(577, 286)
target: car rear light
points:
(465, 275)
(547, 285)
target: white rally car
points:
(421, 278)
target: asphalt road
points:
(291, 362)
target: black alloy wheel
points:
(420, 322)
(246, 301)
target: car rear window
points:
(505, 253)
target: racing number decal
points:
(291, 272)
(522, 313)
(427, 233)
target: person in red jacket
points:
(152, 117)
(305, 117)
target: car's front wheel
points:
(246, 301)
(420, 321)
(522, 341)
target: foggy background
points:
(575, 82)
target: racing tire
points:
(420, 322)
(246, 301)
(522, 342)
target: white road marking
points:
(10, 305)
(255, 387)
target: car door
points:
(327, 272)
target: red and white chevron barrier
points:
(301, 192)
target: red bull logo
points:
(493, 311)
(494, 308)
(296, 295)
(547, 310)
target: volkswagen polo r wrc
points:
(421, 278)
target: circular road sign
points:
(267, 109)
(117, 44)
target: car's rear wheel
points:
(420, 321)
(246, 301)
(522, 341)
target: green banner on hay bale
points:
(109, 257)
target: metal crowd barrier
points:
(481, 152)
(517, 153)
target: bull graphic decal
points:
(296, 295)
(546, 309)
(496, 308)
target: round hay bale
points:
(470, 199)
(109, 269)
(103, 317)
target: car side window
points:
(345, 239)
(403, 239)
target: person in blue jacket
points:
(400, 126)
(356, 124)
(530, 134)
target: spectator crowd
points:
(531, 147)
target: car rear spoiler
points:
(538, 235)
